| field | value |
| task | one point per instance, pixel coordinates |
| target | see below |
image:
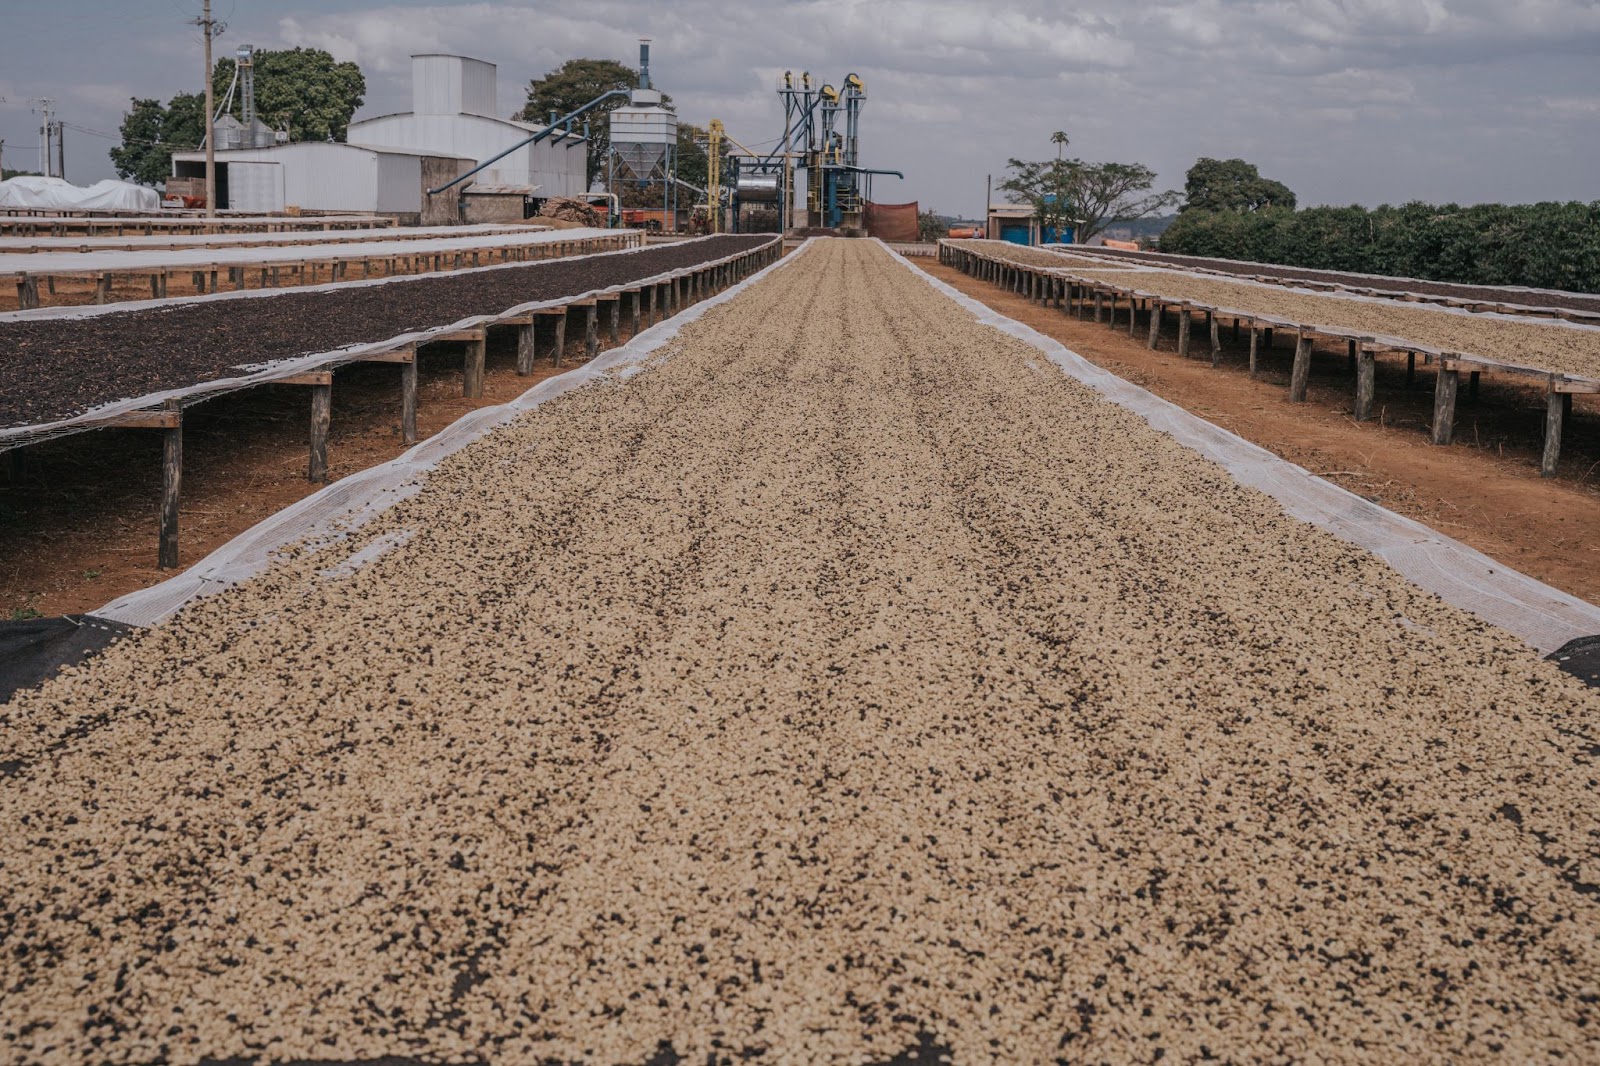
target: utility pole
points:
(61, 150)
(45, 131)
(210, 29)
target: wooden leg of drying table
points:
(472, 374)
(408, 400)
(1444, 405)
(1555, 411)
(1300, 376)
(525, 348)
(1366, 383)
(171, 488)
(321, 417)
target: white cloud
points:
(1311, 90)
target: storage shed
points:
(323, 176)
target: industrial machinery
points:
(816, 163)
(644, 140)
(644, 137)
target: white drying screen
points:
(1544, 617)
(345, 505)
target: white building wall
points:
(319, 176)
(399, 183)
(557, 167)
(452, 85)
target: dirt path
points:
(854, 675)
(1484, 490)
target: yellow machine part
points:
(714, 173)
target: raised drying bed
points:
(73, 370)
(1503, 299)
(35, 275)
(1561, 357)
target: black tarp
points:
(1581, 659)
(33, 650)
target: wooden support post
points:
(1411, 369)
(614, 319)
(1236, 329)
(637, 297)
(591, 331)
(321, 417)
(649, 295)
(560, 343)
(1133, 314)
(27, 292)
(1366, 382)
(155, 286)
(171, 487)
(1255, 345)
(1444, 404)
(1216, 340)
(472, 371)
(408, 399)
(1350, 358)
(525, 348)
(102, 288)
(1156, 310)
(1555, 414)
(1300, 376)
(1185, 324)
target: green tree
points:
(931, 225)
(151, 133)
(573, 84)
(301, 88)
(1088, 196)
(1232, 185)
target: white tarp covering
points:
(58, 194)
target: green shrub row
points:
(1548, 245)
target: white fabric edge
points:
(332, 513)
(1544, 617)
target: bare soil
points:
(1484, 489)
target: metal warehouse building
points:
(390, 161)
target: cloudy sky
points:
(1348, 101)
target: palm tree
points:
(1059, 139)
